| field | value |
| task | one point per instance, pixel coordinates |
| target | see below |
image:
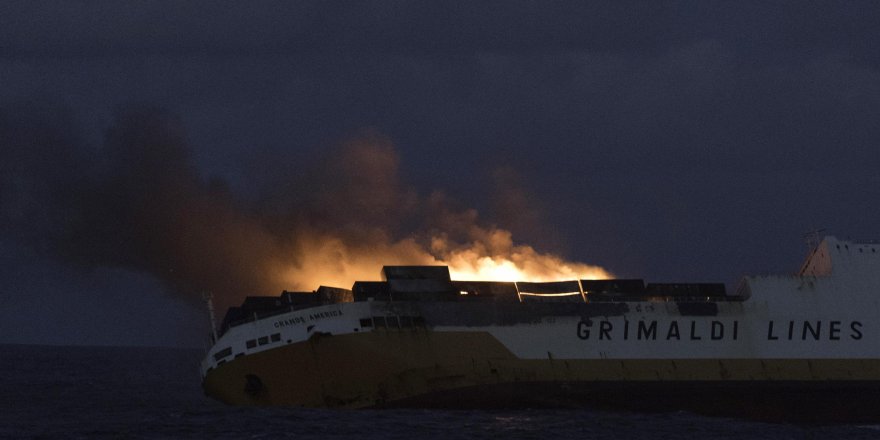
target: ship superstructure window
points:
(252, 343)
(263, 340)
(366, 322)
(276, 337)
(222, 353)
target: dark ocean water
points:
(154, 393)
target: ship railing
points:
(866, 241)
(663, 298)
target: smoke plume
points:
(139, 203)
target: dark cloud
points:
(42, 156)
(58, 29)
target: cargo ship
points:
(799, 347)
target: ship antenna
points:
(813, 239)
(209, 302)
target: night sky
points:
(671, 141)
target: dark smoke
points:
(138, 202)
(149, 210)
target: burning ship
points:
(790, 347)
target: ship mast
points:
(209, 302)
(813, 239)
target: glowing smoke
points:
(367, 206)
(142, 205)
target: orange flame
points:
(497, 258)
(493, 257)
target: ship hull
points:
(473, 369)
(806, 402)
(784, 347)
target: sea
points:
(69, 392)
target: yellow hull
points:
(385, 368)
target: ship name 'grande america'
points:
(715, 330)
